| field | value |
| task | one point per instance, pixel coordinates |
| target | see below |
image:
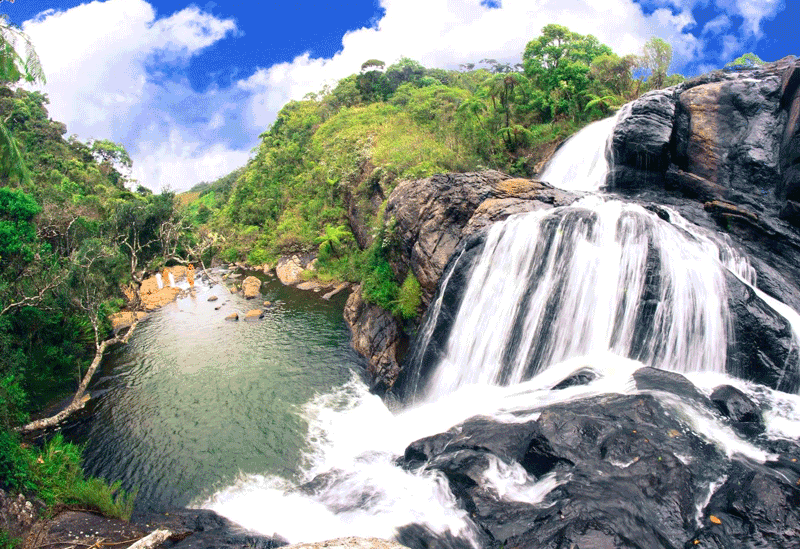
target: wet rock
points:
(253, 315)
(232, 316)
(375, 335)
(251, 286)
(618, 477)
(643, 132)
(213, 298)
(653, 379)
(745, 415)
(763, 348)
(581, 377)
(159, 298)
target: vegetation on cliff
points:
(330, 161)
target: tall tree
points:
(656, 59)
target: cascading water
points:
(600, 285)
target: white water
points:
(581, 164)
(171, 279)
(511, 342)
(569, 282)
(159, 281)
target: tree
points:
(655, 61)
(558, 63)
(746, 61)
(13, 68)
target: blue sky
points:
(188, 87)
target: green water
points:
(193, 399)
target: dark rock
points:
(745, 415)
(622, 483)
(375, 335)
(581, 377)
(763, 349)
(791, 213)
(643, 132)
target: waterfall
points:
(592, 146)
(159, 281)
(598, 276)
(171, 279)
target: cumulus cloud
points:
(98, 59)
(445, 33)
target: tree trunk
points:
(80, 399)
(154, 539)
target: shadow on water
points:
(194, 400)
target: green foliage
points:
(746, 61)
(15, 471)
(59, 479)
(17, 231)
(409, 297)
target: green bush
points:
(59, 478)
(15, 460)
(409, 297)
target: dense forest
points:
(75, 239)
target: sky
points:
(188, 87)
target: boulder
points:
(232, 316)
(251, 286)
(290, 268)
(253, 315)
(375, 335)
(350, 543)
(311, 285)
(642, 136)
(745, 415)
(124, 319)
(213, 298)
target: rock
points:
(350, 543)
(311, 285)
(791, 213)
(642, 136)
(764, 349)
(218, 307)
(376, 335)
(790, 143)
(124, 319)
(254, 314)
(290, 269)
(251, 286)
(581, 377)
(159, 298)
(17, 514)
(745, 415)
(232, 316)
(268, 304)
(336, 290)
(213, 298)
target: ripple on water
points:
(193, 401)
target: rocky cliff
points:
(430, 218)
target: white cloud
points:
(178, 163)
(444, 33)
(96, 58)
(717, 25)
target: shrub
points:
(409, 297)
(59, 478)
(15, 471)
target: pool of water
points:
(194, 401)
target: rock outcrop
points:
(290, 269)
(376, 336)
(426, 221)
(730, 141)
(622, 471)
(251, 287)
